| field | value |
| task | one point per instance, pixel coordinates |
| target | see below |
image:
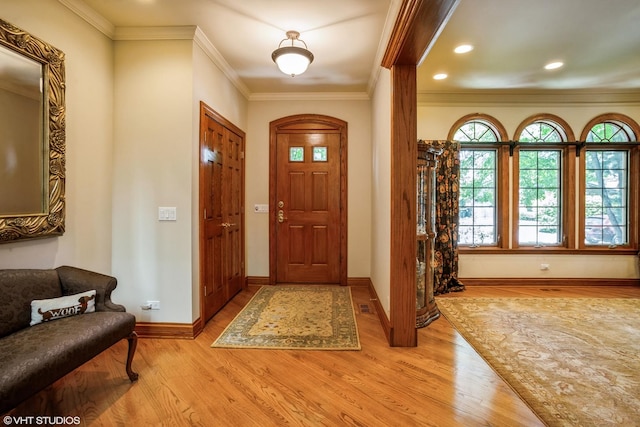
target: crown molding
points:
(392, 15)
(185, 32)
(91, 16)
(216, 57)
(521, 97)
(310, 96)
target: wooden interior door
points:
(308, 225)
(211, 166)
(232, 190)
(222, 211)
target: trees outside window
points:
(552, 207)
(540, 182)
(479, 137)
(606, 172)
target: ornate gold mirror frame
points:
(50, 221)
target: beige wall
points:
(153, 148)
(121, 168)
(357, 113)
(89, 123)
(159, 86)
(381, 190)
(214, 89)
(435, 121)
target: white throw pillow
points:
(43, 310)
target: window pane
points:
(296, 154)
(319, 154)
(466, 179)
(542, 132)
(610, 132)
(478, 188)
(475, 131)
(466, 159)
(484, 160)
(548, 160)
(478, 197)
(539, 197)
(548, 178)
(466, 195)
(606, 194)
(528, 159)
(528, 179)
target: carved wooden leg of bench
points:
(133, 342)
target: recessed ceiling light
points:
(440, 76)
(553, 65)
(463, 48)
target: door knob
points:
(280, 215)
(281, 204)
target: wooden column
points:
(416, 28)
(403, 206)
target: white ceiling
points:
(343, 36)
(598, 40)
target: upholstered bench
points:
(53, 321)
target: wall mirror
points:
(32, 136)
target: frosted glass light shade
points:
(292, 60)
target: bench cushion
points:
(37, 356)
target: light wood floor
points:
(442, 382)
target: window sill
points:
(485, 250)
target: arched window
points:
(525, 193)
(479, 219)
(605, 181)
(540, 173)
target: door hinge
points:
(205, 214)
(205, 291)
(242, 154)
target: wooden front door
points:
(221, 211)
(308, 200)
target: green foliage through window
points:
(540, 184)
(607, 184)
(478, 184)
(296, 154)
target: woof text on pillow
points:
(66, 311)
(57, 308)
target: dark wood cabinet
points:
(426, 308)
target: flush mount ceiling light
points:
(463, 48)
(292, 60)
(553, 65)
(440, 76)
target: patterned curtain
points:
(446, 243)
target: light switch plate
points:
(167, 214)
(261, 208)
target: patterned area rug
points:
(295, 317)
(576, 362)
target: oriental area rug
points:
(304, 317)
(574, 361)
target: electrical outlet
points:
(155, 305)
